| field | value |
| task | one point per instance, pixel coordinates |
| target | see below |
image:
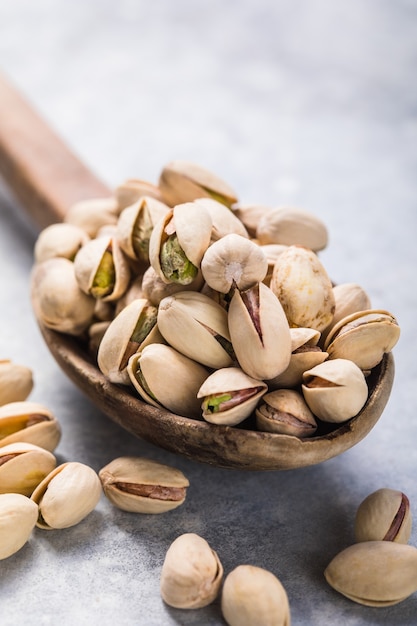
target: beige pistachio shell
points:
(155, 289)
(135, 225)
(16, 382)
(374, 573)
(349, 298)
(29, 422)
(229, 396)
(23, 466)
(63, 240)
(285, 411)
(253, 596)
(233, 261)
(57, 299)
(130, 190)
(175, 386)
(141, 485)
(196, 326)
(302, 285)
(101, 269)
(182, 181)
(18, 517)
(335, 390)
(224, 220)
(250, 215)
(132, 329)
(384, 515)
(67, 495)
(92, 214)
(292, 226)
(259, 332)
(191, 574)
(363, 337)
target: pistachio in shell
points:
(285, 411)
(384, 515)
(29, 422)
(292, 226)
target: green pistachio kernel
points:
(141, 234)
(105, 277)
(174, 263)
(146, 321)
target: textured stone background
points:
(311, 103)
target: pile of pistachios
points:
(211, 308)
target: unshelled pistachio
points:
(292, 226)
(191, 574)
(253, 596)
(285, 411)
(23, 466)
(16, 382)
(141, 485)
(29, 422)
(384, 515)
(18, 517)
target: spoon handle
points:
(37, 166)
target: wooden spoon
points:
(47, 179)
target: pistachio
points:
(191, 574)
(132, 189)
(29, 422)
(140, 485)
(233, 261)
(292, 226)
(66, 495)
(285, 411)
(16, 382)
(349, 298)
(250, 215)
(384, 515)
(374, 573)
(272, 251)
(135, 225)
(302, 285)
(182, 181)
(253, 596)
(62, 240)
(18, 517)
(23, 466)
(155, 289)
(196, 326)
(230, 396)
(335, 390)
(223, 219)
(164, 377)
(259, 332)
(92, 214)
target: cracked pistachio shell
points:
(155, 289)
(285, 411)
(196, 326)
(131, 330)
(132, 189)
(224, 220)
(182, 181)
(259, 331)
(92, 214)
(140, 485)
(305, 354)
(178, 242)
(301, 283)
(164, 377)
(62, 240)
(349, 298)
(384, 515)
(292, 226)
(335, 390)
(229, 396)
(57, 299)
(233, 261)
(102, 270)
(67, 495)
(250, 215)
(363, 337)
(29, 422)
(16, 382)
(23, 466)
(191, 574)
(18, 517)
(374, 573)
(135, 225)
(253, 596)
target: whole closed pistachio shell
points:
(62, 240)
(135, 225)
(233, 261)
(335, 390)
(67, 495)
(183, 181)
(253, 596)
(292, 226)
(191, 574)
(374, 573)
(23, 466)
(57, 299)
(18, 517)
(384, 515)
(29, 422)
(285, 411)
(16, 381)
(141, 485)
(92, 214)
(303, 287)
